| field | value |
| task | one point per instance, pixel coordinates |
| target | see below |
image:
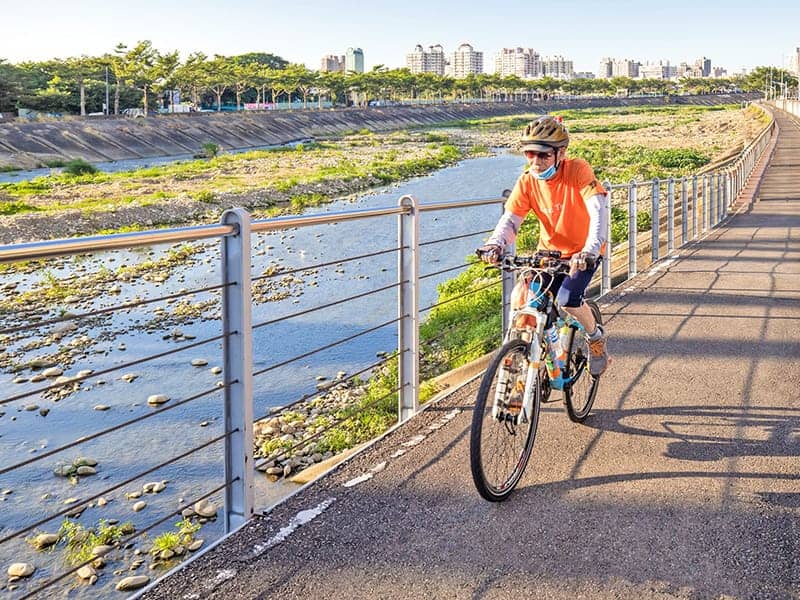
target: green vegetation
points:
(209, 149)
(78, 167)
(80, 541)
(174, 541)
(15, 207)
(616, 163)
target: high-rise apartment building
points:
(794, 62)
(522, 62)
(606, 70)
(464, 61)
(557, 67)
(426, 61)
(332, 64)
(354, 60)
(704, 66)
(658, 70)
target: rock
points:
(44, 540)
(133, 582)
(87, 572)
(216, 370)
(154, 487)
(44, 411)
(195, 545)
(166, 554)
(101, 501)
(53, 372)
(156, 399)
(199, 362)
(84, 461)
(140, 505)
(102, 407)
(21, 570)
(129, 377)
(32, 407)
(204, 508)
(86, 470)
(102, 550)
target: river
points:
(33, 490)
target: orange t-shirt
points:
(559, 204)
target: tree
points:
(190, 76)
(218, 77)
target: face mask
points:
(546, 174)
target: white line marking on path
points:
(301, 518)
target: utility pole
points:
(107, 111)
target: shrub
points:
(78, 167)
(209, 149)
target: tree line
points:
(144, 77)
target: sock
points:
(597, 333)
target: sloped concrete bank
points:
(27, 145)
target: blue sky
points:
(733, 34)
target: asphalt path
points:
(684, 482)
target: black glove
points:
(583, 261)
(490, 253)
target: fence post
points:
(654, 218)
(632, 228)
(711, 200)
(706, 188)
(408, 310)
(605, 277)
(507, 277)
(670, 215)
(694, 207)
(684, 212)
(727, 194)
(237, 347)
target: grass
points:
(172, 541)
(80, 540)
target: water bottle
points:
(564, 335)
(556, 353)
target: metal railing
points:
(691, 205)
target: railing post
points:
(670, 215)
(237, 347)
(727, 194)
(654, 251)
(605, 277)
(684, 212)
(711, 200)
(632, 229)
(408, 310)
(507, 278)
(694, 207)
(706, 188)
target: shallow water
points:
(25, 434)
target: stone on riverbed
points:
(204, 508)
(156, 399)
(132, 583)
(44, 540)
(21, 570)
(199, 362)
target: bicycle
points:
(544, 349)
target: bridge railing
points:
(239, 315)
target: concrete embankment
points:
(96, 139)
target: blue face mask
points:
(546, 174)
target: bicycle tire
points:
(499, 448)
(579, 395)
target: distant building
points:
(464, 61)
(557, 67)
(606, 70)
(584, 75)
(431, 60)
(794, 62)
(704, 66)
(658, 70)
(522, 62)
(332, 64)
(719, 72)
(354, 60)
(618, 68)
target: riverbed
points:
(127, 336)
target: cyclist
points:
(573, 214)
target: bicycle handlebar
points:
(549, 260)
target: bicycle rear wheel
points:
(499, 446)
(580, 394)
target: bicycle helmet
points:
(544, 134)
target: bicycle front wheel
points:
(579, 395)
(502, 434)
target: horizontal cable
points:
(322, 392)
(464, 295)
(72, 507)
(316, 308)
(125, 541)
(455, 237)
(326, 264)
(116, 427)
(132, 363)
(461, 266)
(325, 347)
(469, 349)
(101, 311)
(442, 333)
(305, 441)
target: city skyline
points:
(304, 31)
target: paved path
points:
(683, 483)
